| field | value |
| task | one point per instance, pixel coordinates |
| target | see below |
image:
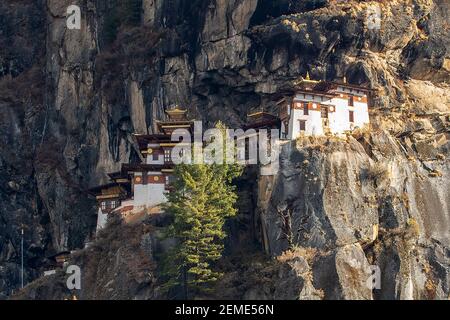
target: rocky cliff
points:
(70, 100)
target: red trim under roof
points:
(315, 92)
(96, 190)
(142, 167)
(144, 140)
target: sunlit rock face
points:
(71, 99)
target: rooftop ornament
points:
(305, 80)
(176, 111)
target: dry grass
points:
(293, 25)
(435, 173)
(136, 217)
(319, 143)
(309, 254)
(360, 133)
(413, 228)
(430, 285)
(378, 172)
(430, 289)
(405, 199)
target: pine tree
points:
(203, 197)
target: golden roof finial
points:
(176, 110)
(307, 75)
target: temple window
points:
(324, 112)
(302, 124)
(167, 155)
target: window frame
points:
(301, 123)
(351, 116)
(324, 110)
(167, 155)
(351, 101)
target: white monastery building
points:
(319, 108)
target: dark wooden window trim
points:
(324, 112)
(351, 101)
(302, 125)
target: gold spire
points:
(307, 75)
(176, 114)
(176, 111)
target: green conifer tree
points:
(202, 198)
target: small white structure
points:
(320, 108)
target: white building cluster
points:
(318, 108)
(312, 108)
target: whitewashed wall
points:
(102, 218)
(361, 114)
(150, 194)
(341, 117)
(155, 194)
(139, 192)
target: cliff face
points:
(70, 100)
(360, 202)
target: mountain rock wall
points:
(71, 99)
